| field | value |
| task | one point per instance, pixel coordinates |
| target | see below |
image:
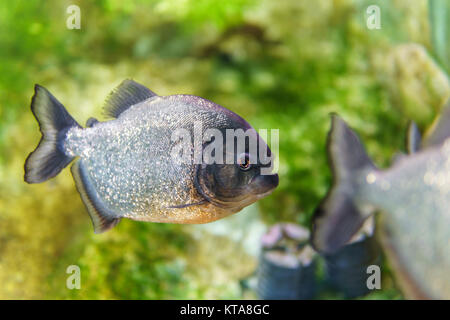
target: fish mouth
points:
(263, 185)
(259, 187)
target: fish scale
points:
(140, 139)
(422, 204)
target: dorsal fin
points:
(127, 94)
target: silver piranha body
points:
(126, 167)
(413, 197)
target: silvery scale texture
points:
(414, 196)
(129, 164)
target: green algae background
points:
(279, 64)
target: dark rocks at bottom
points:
(287, 264)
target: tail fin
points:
(338, 218)
(48, 159)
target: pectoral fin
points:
(102, 218)
(187, 205)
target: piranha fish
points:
(412, 196)
(124, 167)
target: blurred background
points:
(279, 64)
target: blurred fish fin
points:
(127, 94)
(91, 122)
(338, 217)
(48, 159)
(101, 217)
(413, 138)
(345, 151)
(440, 130)
(335, 222)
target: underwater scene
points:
(118, 179)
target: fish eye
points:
(244, 162)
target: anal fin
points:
(101, 217)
